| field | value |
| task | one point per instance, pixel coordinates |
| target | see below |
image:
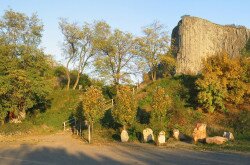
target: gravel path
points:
(62, 149)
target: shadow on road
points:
(115, 154)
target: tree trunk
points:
(153, 75)
(77, 80)
(68, 75)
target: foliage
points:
(152, 46)
(242, 123)
(161, 103)
(93, 104)
(246, 50)
(125, 107)
(221, 80)
(77, 46)
(115, 60)
(25, 71)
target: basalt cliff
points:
(195, 39)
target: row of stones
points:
(199, 134)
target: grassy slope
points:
(63, 104)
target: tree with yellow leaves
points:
(222, 79)
(160, 104)
(125, 107)
(93, 105)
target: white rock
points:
(176, 134)
(148, 135)
(228, 135)
(124, 136)
(162, 137)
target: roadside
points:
(62, 148)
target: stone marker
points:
(161, 138)
(216, 140)
(124, 136)
(200, 132)
(148, 135)
(176, 134)
(228, 135)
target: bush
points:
(222, 79)
(160, 105)
(125, 108)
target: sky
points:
(127, 15)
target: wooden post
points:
(80, 128)
(64, 126)
(112, 102)
(89, 132)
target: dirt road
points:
(62, 149)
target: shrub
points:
(222, 79)
(125, 107)
(160, 104)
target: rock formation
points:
(195, 39)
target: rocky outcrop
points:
(195, 39)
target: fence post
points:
(112, 102)
(64, 126)
(89, 132)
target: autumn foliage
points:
(125, 107)
(160, 105)
(223, 79)
(93, 104)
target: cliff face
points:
(195, 39)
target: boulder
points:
(228, 135)
(200, 133)
(148, 135)
(216, 140)
(124, 136)
(161, 138)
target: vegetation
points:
(125, 108)
(160, 105)
(222, 79)
(25, 75)
(42, 94)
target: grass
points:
(63, 105)
(238, 145)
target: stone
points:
(162, 138)
(148, 135)
(124, 136)
(228, 135)
(195, 39)
(216, 140)
(176, 134)
(200, 132)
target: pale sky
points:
(128, 15)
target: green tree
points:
(25, 71)
(152, 46)
(160, 104)
(115, 58)
(77, 46)
(125, 108)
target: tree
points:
(160, 104)
(93, 105)
(25, 71)
(125, 107)
(221, 80)
(77, 46)
(72, 35)
(152, 46)
(115, 60)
